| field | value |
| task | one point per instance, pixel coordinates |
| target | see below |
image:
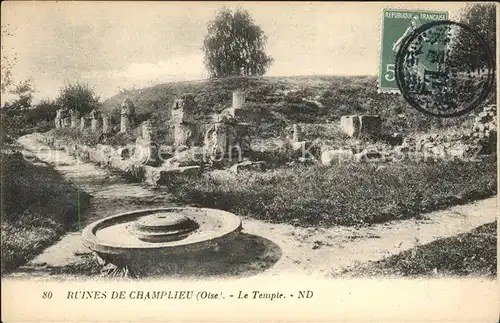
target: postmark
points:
(444, 69)
(397, 24)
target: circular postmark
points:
(444, 69)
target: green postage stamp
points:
(398, 24)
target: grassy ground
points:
(473, 253)
(350, 194)
(38, 206)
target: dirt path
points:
(264, 248)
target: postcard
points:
(249, 161)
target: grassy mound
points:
(473, 253)
(38, 206)
(349, 194)
(284, 100)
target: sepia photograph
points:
(222, 142)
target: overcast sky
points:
(113, 45)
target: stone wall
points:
(108, 156)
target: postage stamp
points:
(398, 24)
(444, 69)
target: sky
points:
(122, 45)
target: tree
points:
(234, 45)
(21, 93)
(79, 97)
(24, 91)
(7, 63)
(480, 17)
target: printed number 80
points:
(390, 73)
(47, 295)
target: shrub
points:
(79, 97)
(39, 118)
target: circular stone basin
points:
(161, 227)
(131, 237)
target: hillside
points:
(284, 100)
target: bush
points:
(79, 97)
(349, 194)
(39, 118)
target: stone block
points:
(364, 125)
(190, 157)
(186, 134)
(300, 146)
(83, 123)
(127, 107)
(65, 122)
(182, 116)
(350, 125)
(367, 155)
(238, 100)
(239, 115)
(94, 125)
(248, 165)
(124, 153)
(184, 109)
(221, 138)
(295, 133)
(403, 149)
(126, 122)
(106, 127)
(147, 130)
(371, 125)
(170, 176)
(336, 156)
(145, 152)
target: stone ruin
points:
(361, 125)
(227, 136)
(127, 115)
(94, 120)
(98, 121)
(83, 123)
(146, 150)
(63, 118)
(219, 138)
(481, 139)
(484, 130)
(186, 127)
(75, 115)
(106, 124)
(57, 120)
(227, 133)
(295, 133)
